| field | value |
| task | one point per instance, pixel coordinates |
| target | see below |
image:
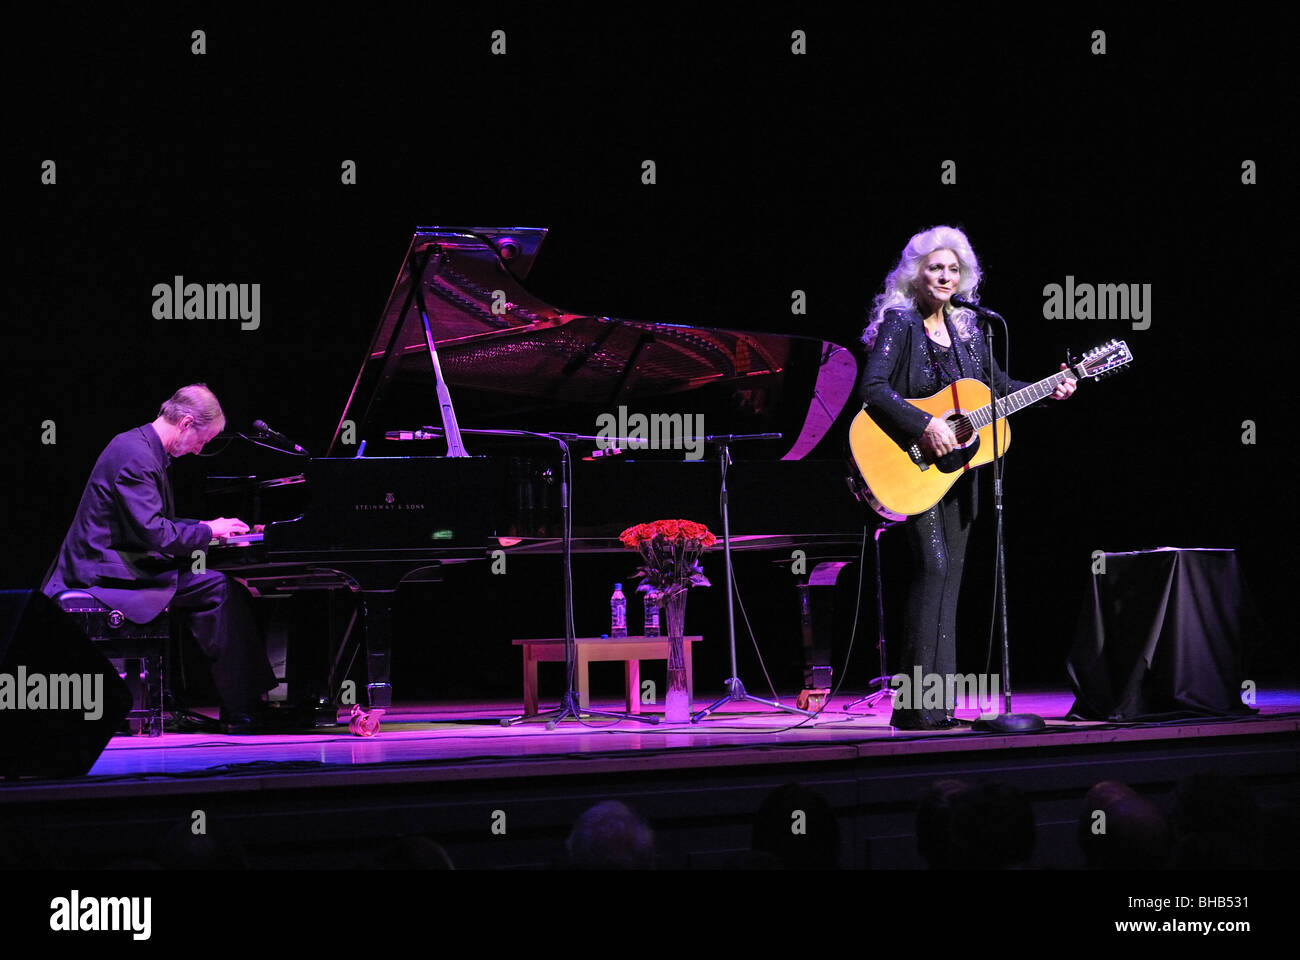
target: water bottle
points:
(651, 615)
(618, 612)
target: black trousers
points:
(936, 541)
(219, 612)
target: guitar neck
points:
(1020, 399)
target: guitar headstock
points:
(1103, 360)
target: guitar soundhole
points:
(961, 427)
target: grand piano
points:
(445, 449)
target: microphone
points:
(261, 427)
(957, 300)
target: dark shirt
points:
(944, 361)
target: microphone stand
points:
(1007, 721)
(884, 691)
(736, 689)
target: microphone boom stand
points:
(735, 689)
(1006, 722)
(570, 704)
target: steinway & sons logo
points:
(390, 503)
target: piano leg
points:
(379, 637)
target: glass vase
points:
(677, 704)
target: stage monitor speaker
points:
(60, 699)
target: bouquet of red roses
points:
(670, 552)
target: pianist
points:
(127, 548)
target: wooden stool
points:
(631, 650)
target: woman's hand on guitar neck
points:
(1064, 389)
(938, 438)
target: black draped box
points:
(1163, 633)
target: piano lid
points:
(511, 360)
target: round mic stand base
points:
(1010, 723)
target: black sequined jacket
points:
(900, 365)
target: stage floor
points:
(447, 771)
(458, 740)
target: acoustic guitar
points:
(902, 481)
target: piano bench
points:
(630, 650)
(136, 651)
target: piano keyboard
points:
(241, 540)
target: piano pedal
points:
(812, 700)
(363, 723)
